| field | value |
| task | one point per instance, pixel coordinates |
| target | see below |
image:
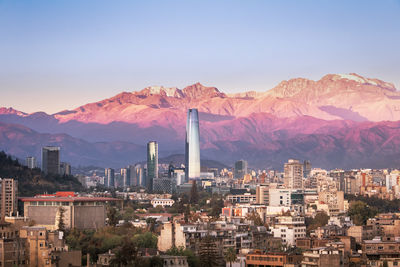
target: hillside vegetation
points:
(33, 181)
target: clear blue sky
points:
(57, 55)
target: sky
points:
(57, 55)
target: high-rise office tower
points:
(152, 164)
(31, 162)
(8, 197)
(109, 177)
(126, 177)
(132, 175)
(306, 169)
(240, 169)
(65, 168)
(51, 159)
(192, 146)
(139, 175)
(293, 174)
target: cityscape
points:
(296, 172)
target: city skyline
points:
(240, 46)
(200, 133)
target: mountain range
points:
(339, 121)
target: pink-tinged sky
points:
(57, 55)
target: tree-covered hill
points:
(33, 181)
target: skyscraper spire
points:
(192, 146)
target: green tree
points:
(156, 261)
(209, 255)
(216, 206)
(194, 195)
(360, 212)
(126, 255)
(151, 224)
(145, 240)
(187, 213)
(255, 217)
(61, 224)
(230, 256)
(129, 214)
(320, 219)
(113, 216)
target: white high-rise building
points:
(31, 162)
(293, 174)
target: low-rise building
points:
(174, 261)
(48, 248)
(163, 202)
(261, 259)
(324, 256)
(380, 248)
(81, 212)
(289, 228)
(243, 198)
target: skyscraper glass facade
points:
(152, 164)
(192, 145)
(109, 177)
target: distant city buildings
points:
(51, 160)
(65, 168)
(192, 145)
(30, 162)
(240, 169)
(126, 177)
(152, 164)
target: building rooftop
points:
(65, 197)
(378, 239)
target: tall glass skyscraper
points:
(152, 164)
(192, 145)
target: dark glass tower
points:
(152, 164)
(192, 146)
(240, 169)
(51, 159)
